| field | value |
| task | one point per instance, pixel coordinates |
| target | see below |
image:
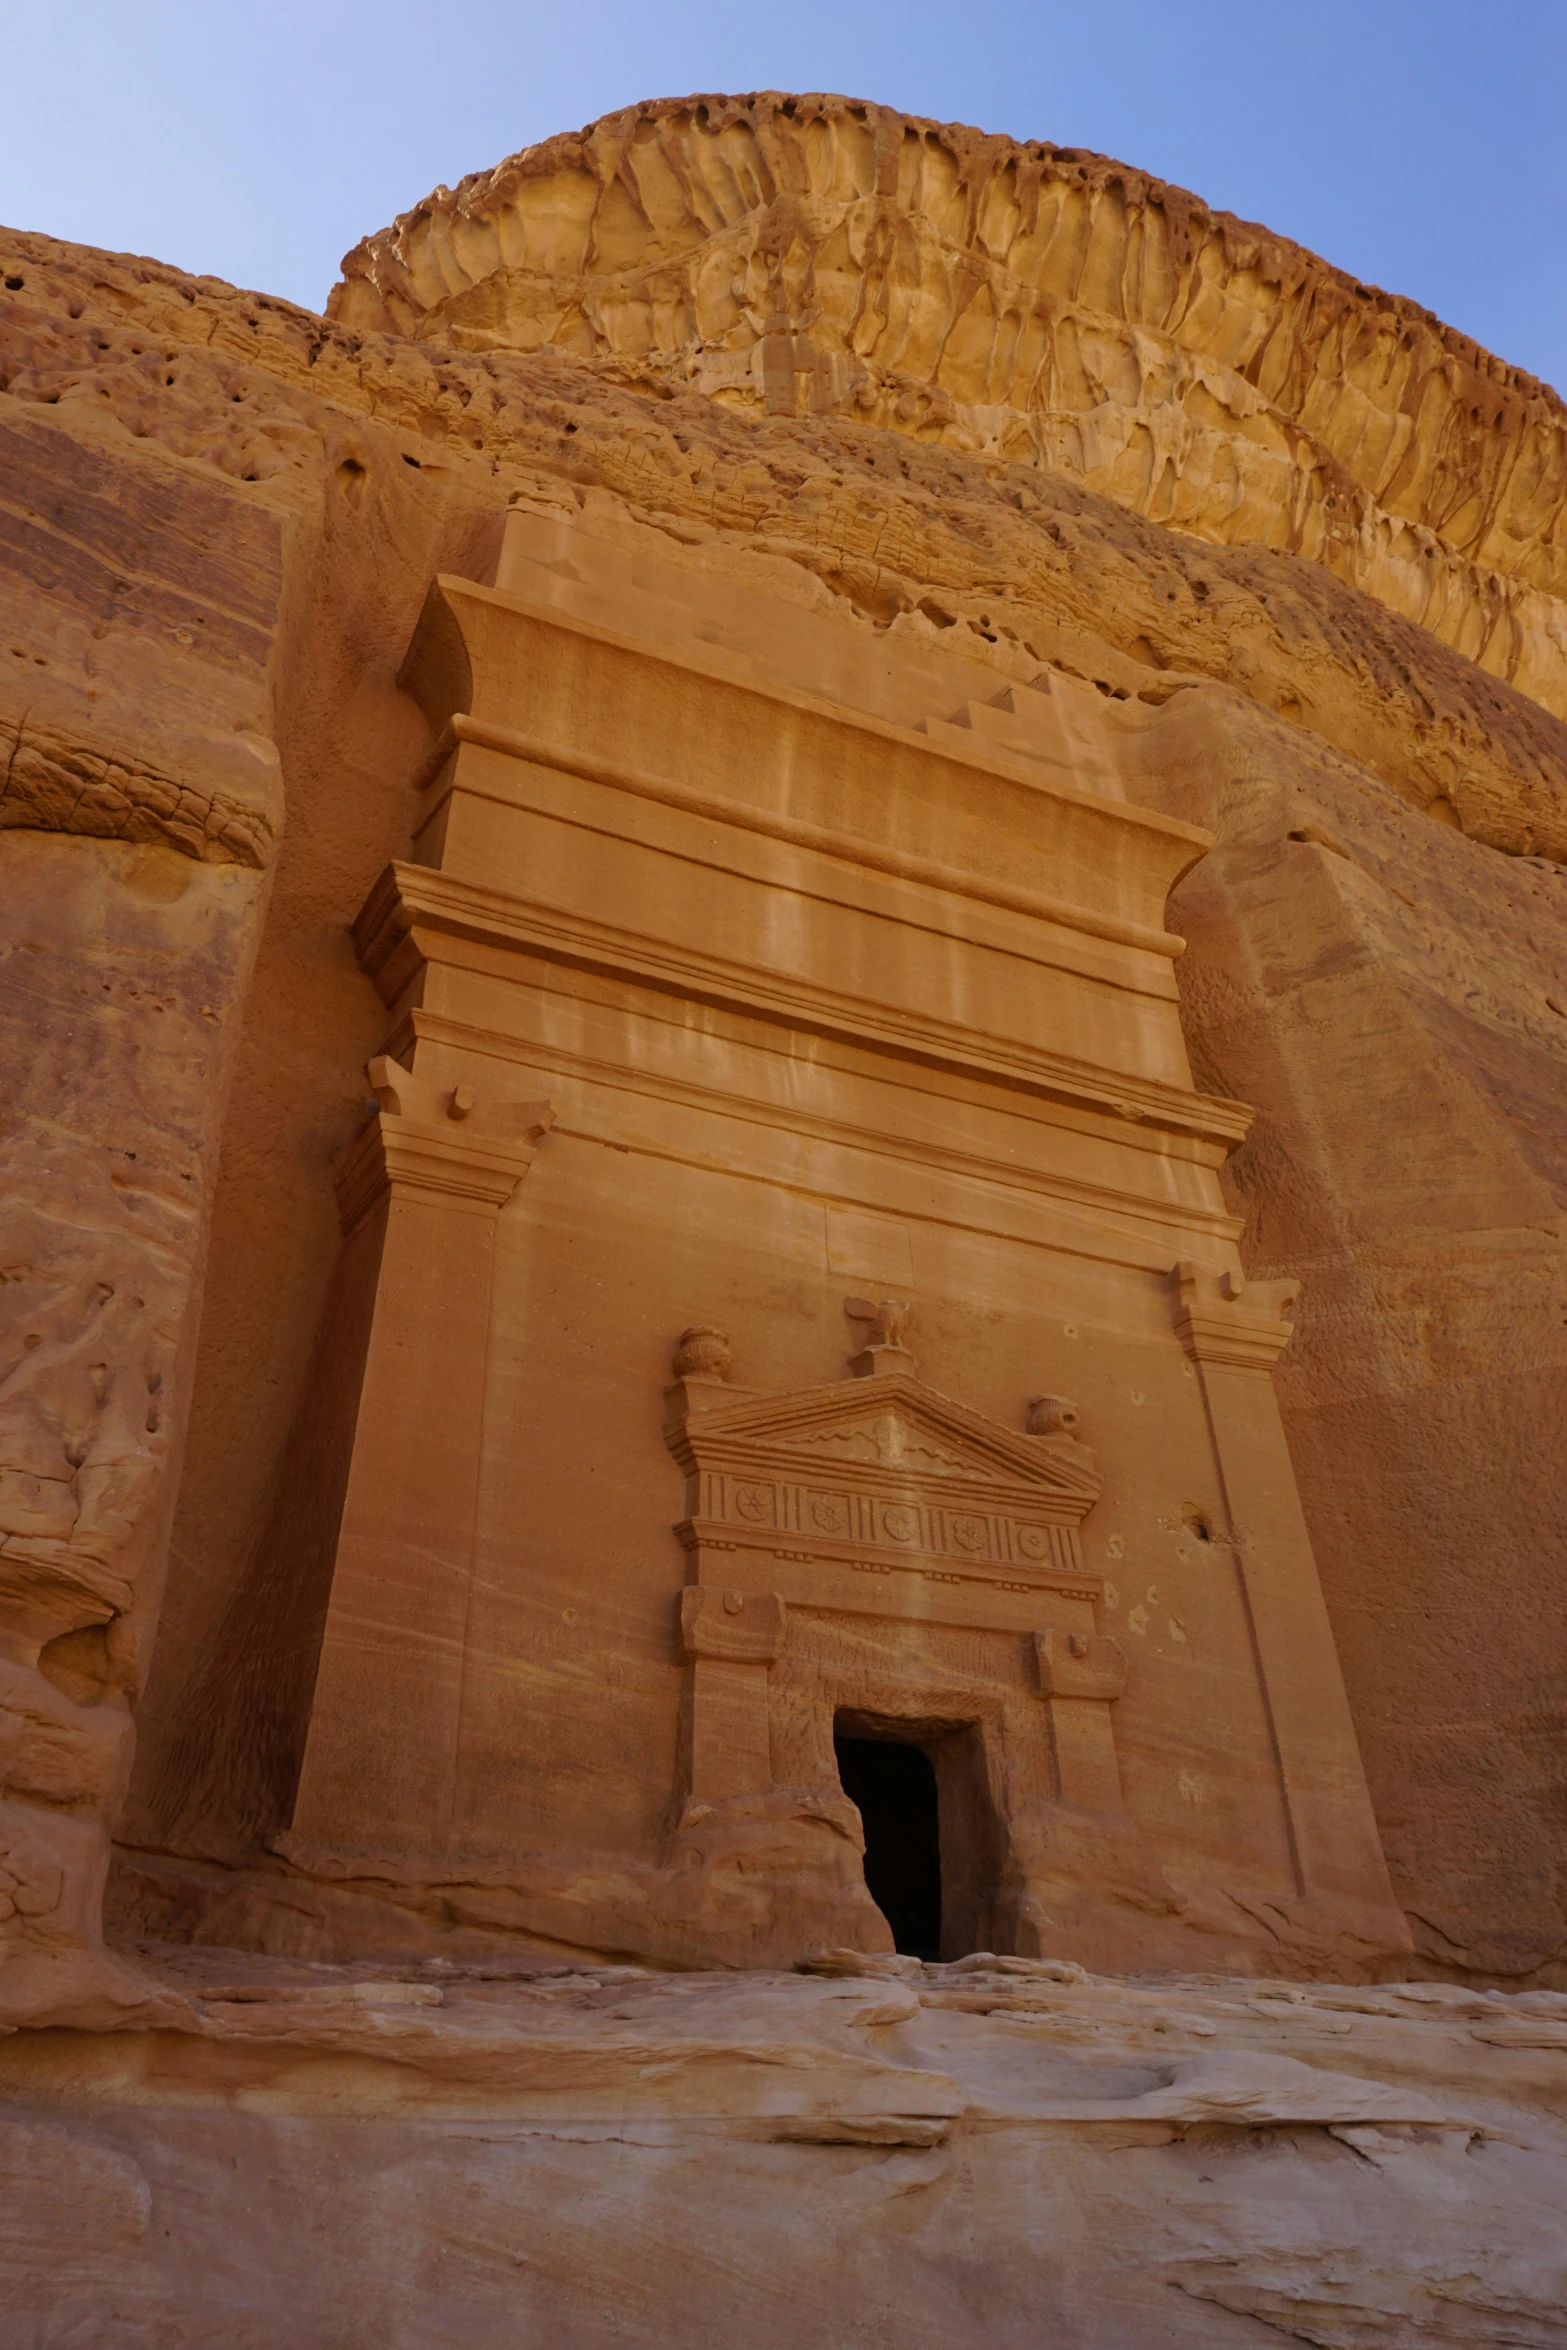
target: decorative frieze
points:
(880, 1475)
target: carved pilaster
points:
(1224, 1318)
(731, 1638)
(732, 1627)
(1081, 1674)
(419, 1194)
(1234, 1330)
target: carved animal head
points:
(888, 1318)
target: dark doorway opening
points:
(893, 1784)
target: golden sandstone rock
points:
(652, 872)
(820, 257)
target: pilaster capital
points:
(1221, 1317)
(448, 1142)
(744, 1628)
(1080, 1664)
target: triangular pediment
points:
(892, 1428)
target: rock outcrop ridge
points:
(818, 256)
(968, 2153)
(1028, 566)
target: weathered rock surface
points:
(140, 799)
(1391, 999)
(914, 535)
(220, 516)
(992, 2151)
(815, 256)
(381, 459)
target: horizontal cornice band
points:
(798, 832)
(409, 896)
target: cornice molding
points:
(410, 897)
(849, 847)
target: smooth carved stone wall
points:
(816, 256)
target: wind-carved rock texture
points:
(815, 256)
(109, 1146)
(137, 807)
(220, 517)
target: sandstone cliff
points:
(1303, 549)
(221, 515)
(813, 256)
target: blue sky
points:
(1420, 146)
